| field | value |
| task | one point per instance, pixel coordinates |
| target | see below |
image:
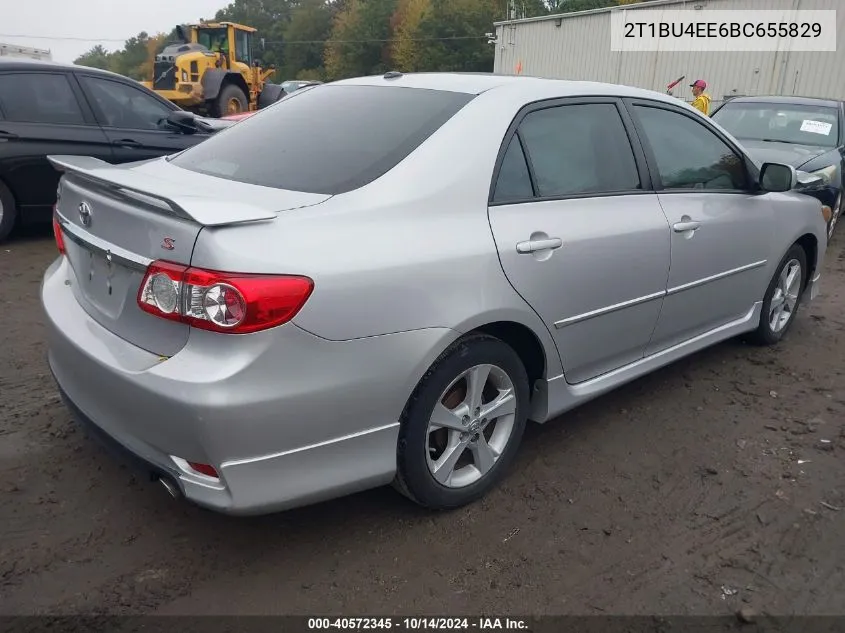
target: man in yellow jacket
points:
(702, 99)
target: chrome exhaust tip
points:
(172, 489)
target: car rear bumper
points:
(285, 417)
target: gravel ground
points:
(713, 484)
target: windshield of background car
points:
(781, 123)
(327, 139)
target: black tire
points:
(8, 212)
(230, 92)
(414, 478)
(765, 334)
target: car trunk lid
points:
(117, 219)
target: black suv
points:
(51, 108)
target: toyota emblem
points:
(85, 213)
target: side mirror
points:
(775, 177)
(182, 121)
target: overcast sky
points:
(43, 23)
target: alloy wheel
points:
(470, 426)
(785, 299)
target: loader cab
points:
(233, 41)
(215, 40)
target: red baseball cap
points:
(698, 83)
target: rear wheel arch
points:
(518, 336)
(524, 342)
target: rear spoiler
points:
(204, 210)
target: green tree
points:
(360, 39)
(97, 57)
(134, 60)
(311, 74)
(532, 8)
(405, 48)
(310, 21)
(131, 61)
(449, 36)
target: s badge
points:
(168, 243)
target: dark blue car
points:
(804, 132)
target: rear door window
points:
(328, 139)
(39, 98)
(579, 149)
(514, 181)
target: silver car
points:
(422, 264)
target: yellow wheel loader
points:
(211, 71)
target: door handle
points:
(688, 225)
(7, 136)
(127, 142)
(532, 246)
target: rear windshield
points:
(328, 139)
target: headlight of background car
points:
(828, 174)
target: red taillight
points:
(57, 233)
(204, 469)
(231, 303)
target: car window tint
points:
(578, 149)
(125, 106)
(326, 139)
(39, 98)
(690, 156)
(514, 182)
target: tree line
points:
(333, 39)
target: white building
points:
(578, 46)
(13, 50)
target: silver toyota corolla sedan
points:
(382, 279)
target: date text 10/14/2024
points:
(418, 624)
